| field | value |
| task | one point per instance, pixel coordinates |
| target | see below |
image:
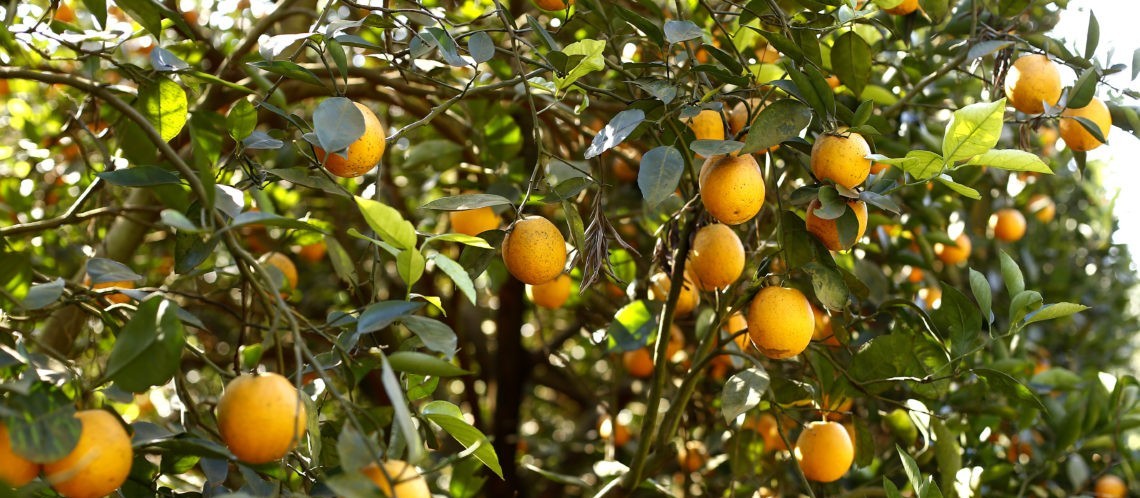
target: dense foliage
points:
(142, 280)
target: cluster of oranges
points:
(261, 418)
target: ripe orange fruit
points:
(822, 331)
(915, 275)
(732, 188)
(473, 221)
(4, 88)
(608, 428)
(1076, 136)
(261, 417)
(284, 265)
(827, 231)
(1110, 486)
(1031, 80)
(717, 257)
(693, 456)
(1042, 207)
(1009, 225)
(780, 322)
(398, 478)
(904, 8)
(100, 461)
(639, 362)
(877, 167)
(952, 255)
(534, 250)
(116, 297)
(623, 170)
(765, 425)
(363, 154)
(15, 470)
(707, 125)
(737, 323)
(931, 297)
(765, 54)
(824, 451)
(554, 5)
(65, 13)
(553, 294)
(841, 158)
(313, 252)
(687, 301)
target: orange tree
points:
(402, 248)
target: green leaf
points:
(1022, 304)
(148, 351)
(98, 9)
(481, 46)
(43, 295)
(1084, 89)
(980, 286)
(336, 52)
(958, 187)
(615, 132)
(633, 325)
(353, 449)
(921, 164)
(1092, 37)
(466, 201)
(410, 264)
(828, 285)
(448, 417)
(460, 238)
(642, 24)
(851, 60)
(103, 270)
(382, 314)
(140, 176)
(45, 429)
(402, 416)
(679, 31)
(241, 119)
(947, 452)
(591, 60)
(147, 12)
(436, 335)
(973, 130)
(268, 219)
(1004, 384)
(423, 364)
(777, 122)
(709, 148)
(338, 123)
(165, 106)
(804, 89)
(387, 223)
(743, 392)
(659, 174)
(457, 274)
(1011, 160)
(1090, 127)
(1052, 311)
(958, 320)
(911, 468)
(1135, 63)
(289, 70)
(1011, 274)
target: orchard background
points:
(170, 222)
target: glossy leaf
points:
(659, 173)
